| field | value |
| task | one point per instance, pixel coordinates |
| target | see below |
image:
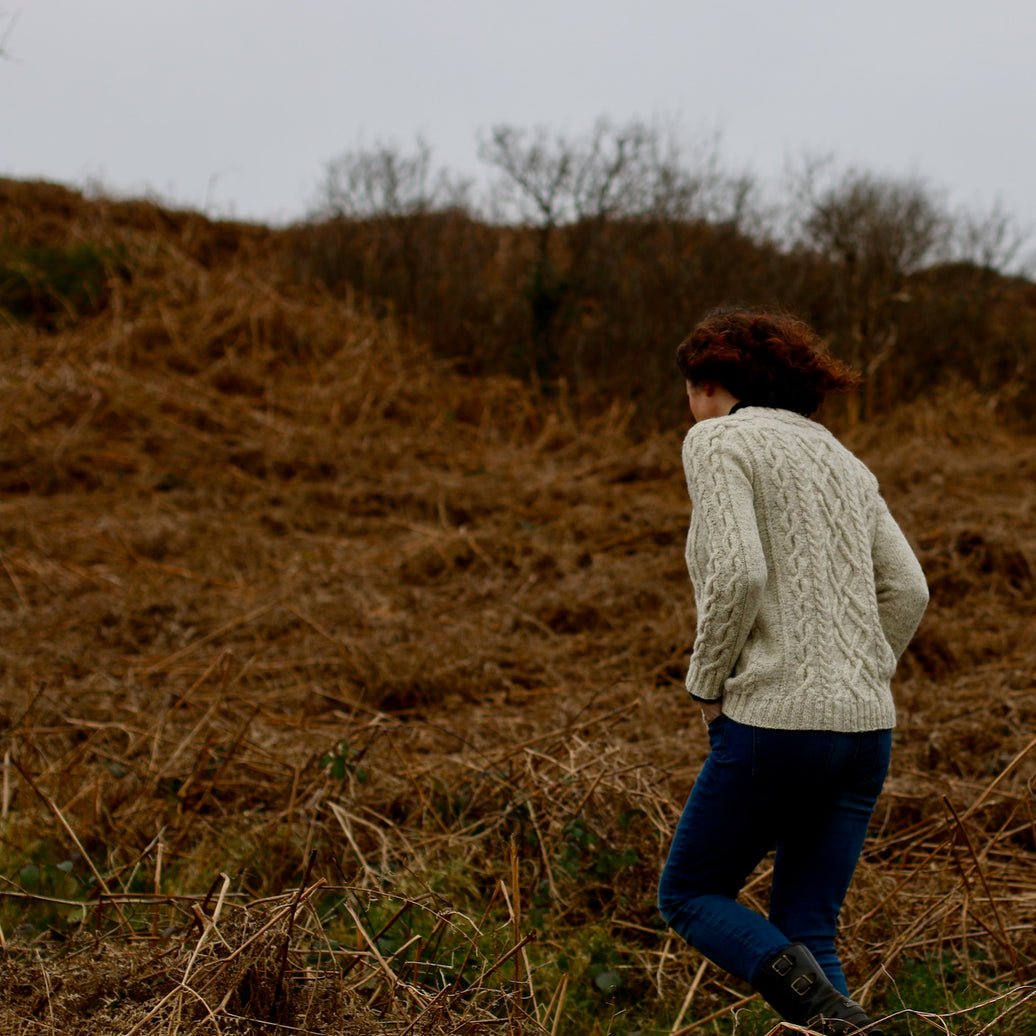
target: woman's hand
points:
(712, 710)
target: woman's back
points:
(789, 548)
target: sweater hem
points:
(821, 714)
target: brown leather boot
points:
(795, 986)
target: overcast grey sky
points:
(237, 105)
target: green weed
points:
(47, 285)
(343, 761)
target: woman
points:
(807, 593)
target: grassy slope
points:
(285, 600)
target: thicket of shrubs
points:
(587, 259)
(591, 257)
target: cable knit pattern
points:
(807, 591)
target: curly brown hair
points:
(764, 359)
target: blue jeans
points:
(809, 794)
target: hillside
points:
(341, 692)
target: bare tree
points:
(582, 190)
(914, 290)
(384, 181)
(874, 232)
(888, 226)
(992, 240)
(546, 181)
(379, 220)
(614, 171)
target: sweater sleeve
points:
(899, 582)
(724, 555)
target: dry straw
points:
(343, 694)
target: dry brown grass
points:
(301, 630)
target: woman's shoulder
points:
(745, 427)
(768, 434)
(705, 436)
(719, 441)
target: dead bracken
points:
(343, 694)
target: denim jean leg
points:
(817, 853)
(723, 833)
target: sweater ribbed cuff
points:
(705, 701)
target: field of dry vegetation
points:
(340, 693)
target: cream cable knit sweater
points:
(806, 589)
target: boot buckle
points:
(802, 985)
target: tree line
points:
(587, 258)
